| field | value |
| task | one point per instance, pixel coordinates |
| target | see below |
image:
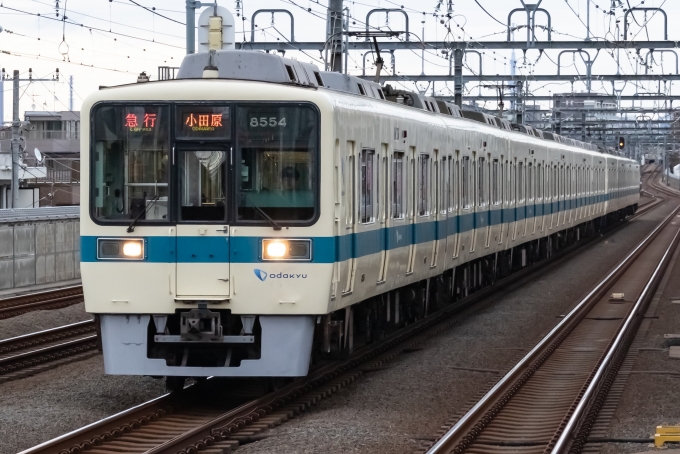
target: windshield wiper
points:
(131, 227)
(264, 215)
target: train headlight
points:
(276, 249)
(133, 249)
(286, 249)
(120, 249)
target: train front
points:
(201, 248)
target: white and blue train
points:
(255, 214)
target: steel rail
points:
(51, 299)
(108, 429)
(48, 335)
(565, 438)
(46, 350)
(447, 442)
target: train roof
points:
(265, 67)
(258, 66)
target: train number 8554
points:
(264, 122)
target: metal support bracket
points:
(531, 11)
(661, 51)
(625, 21)
(388, 11)
(275, 10)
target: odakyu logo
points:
(262, 275)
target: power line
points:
(90, 27)
(489, 14)
(153, 11)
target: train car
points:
(256, 214)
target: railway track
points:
(51, 299)
(549, 401)
(32, 353)
(198, 420)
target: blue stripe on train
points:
(202, 249)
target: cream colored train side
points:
(412, 209)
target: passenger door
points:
(202, 228)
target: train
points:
(256, 215)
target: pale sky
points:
(119, 39)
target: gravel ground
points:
(650, 400)
(39, 408)
(388, 411)
(392, 410)
(41, 320)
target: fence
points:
(39, 246)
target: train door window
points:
(481, 190)
(539, 181)
(506, 182)
(423, 184)
(436, 184)
(444, 190)
(495, 193)
(465, 183)
(447, 186)
(398, 177)
(351, 185)
(455, 181)
(520, 182)
(381, 182)
(366, 207)
(513, 182)
(530, 182)
(554, 183)
(202, 180)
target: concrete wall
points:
(39, 252)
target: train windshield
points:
(276, 162)
(130, 163)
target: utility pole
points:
(334, 34)
(191, 7)
(15, 145)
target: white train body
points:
(385, 197)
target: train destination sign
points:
(135, 121)
(211, 122)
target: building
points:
(56, 137)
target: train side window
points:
(513, 182)
(367, 202)
(495, 195)
(398, 185)
(481, 189)
(423, 184)
(530, 182)
(465, 183)
(521, 188)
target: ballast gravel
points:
(32, 322)
(395, 409)
(38, 408)
(388, 411)
(650, 397)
